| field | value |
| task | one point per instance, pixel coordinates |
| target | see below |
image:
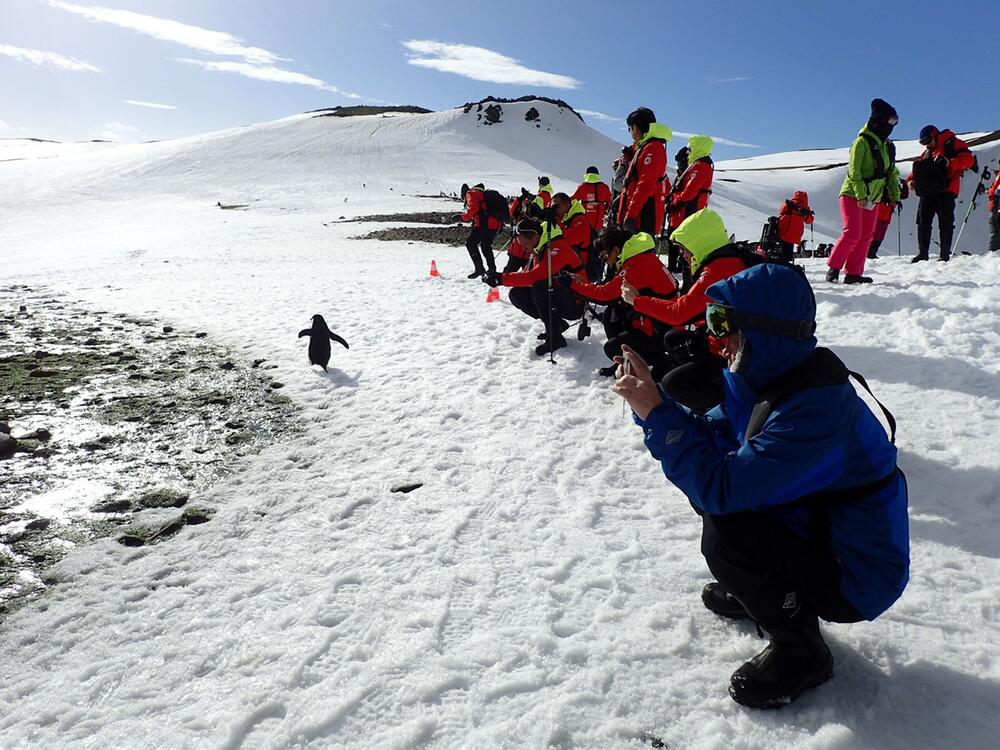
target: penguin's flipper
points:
(335, 337)
(305, 332)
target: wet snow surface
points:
(541, 588)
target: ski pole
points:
(548, 253)
(899, 229)
(972, 204)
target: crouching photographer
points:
(803, 508)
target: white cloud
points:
(481, 64)
(719, 139)
(599, 115)
(120, 133)
(733, 79)
(47, 59)
(255, 62)
(151, 105)
(267, 73)
(204, 40)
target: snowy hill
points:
(541, 588)
(314, 159)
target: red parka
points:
(644, 178)
(793, 217)
(959, 157)
(596, 199)
(476, 211)
(991, 192)
(689, 308)
(645, 272)
(693, 187)
(563, 258)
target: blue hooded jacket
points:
(824, 438)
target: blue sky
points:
(774, 75)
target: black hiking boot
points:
(832, 275)
(608, 372)
(856, 278)
(583, 331)
(918, 258)
(717, 599)
(542, 336)
(558, 342)
(795, 660)
(476, 274)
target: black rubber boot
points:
(832, 275)
(873, 249)
(476, 274)
(918, 258)
(854, 278)
(558, 342)
(717, 599)
(795, 660)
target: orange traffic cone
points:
(493, 295)
(434, 268)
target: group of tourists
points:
(793, 474)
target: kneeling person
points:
(530, 289)
(634, 260)
(803, 507)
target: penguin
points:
(319, 342)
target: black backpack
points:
(496, 206)
(930, 176)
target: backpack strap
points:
(888, 414)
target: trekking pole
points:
(899, 229)
(550, 215)
(504, 248)
(980, 188)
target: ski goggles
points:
(724, 320)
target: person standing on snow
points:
(871, 169)
(530, 288)
(937, 178)
(792, 220)
(692, 188)
(484, 230)
(640, 208)
(544, 196)
(993, 204)
(802, 504)
(595, 197)
(634, 260)
(682, 161)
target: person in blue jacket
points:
(803, 507)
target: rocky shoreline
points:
(112, 425)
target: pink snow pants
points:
(851, 250)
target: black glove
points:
(492, 278)
(629, 226)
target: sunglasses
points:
(927, 141)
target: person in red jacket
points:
(572, 220)
(695, 379)
(484, 230)
(993, 204)
(952, 157)
(530, 288)
(792, 220)
(595, 197)
(641, 208)
(635, 261)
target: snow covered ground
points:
(542, 588)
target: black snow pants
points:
(782, 579)
(942, 206)
(481, 240)
(533, 301)
(995, 228)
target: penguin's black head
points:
(319, 324)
